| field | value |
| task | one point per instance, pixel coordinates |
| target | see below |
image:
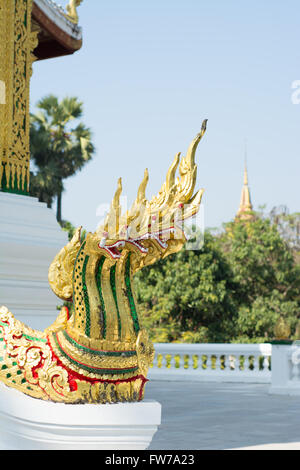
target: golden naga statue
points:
(98, 351)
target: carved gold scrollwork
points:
(16, 57)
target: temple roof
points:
(58, 34)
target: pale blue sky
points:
(150, 71)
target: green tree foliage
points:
(256, 322)
(289, 227)
(264, 267)
(187, 297)
(234, 289)
(260, 259)
(60, 146)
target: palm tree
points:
(44, 184)
(58, 149)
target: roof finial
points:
(72, 10)
(246, 208)
(245, 169)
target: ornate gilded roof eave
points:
(58, 35)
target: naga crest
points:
(98, 352)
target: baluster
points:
(247, 363)
(232, 361)
(265, 364)
(201, 362)
(256, 363)
(164, 361)
(168, 358)
(218, 362)
(186, 359)
(178, 361)
(182, 361)
(209, 362)
(159, 360)
(173, 361)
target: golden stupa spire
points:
(245, 174)
(245, 211)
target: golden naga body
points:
(99, 352)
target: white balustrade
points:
(212, 362)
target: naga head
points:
(153, 229)
(149, 230)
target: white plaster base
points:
(30, 237)
(30, 424)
